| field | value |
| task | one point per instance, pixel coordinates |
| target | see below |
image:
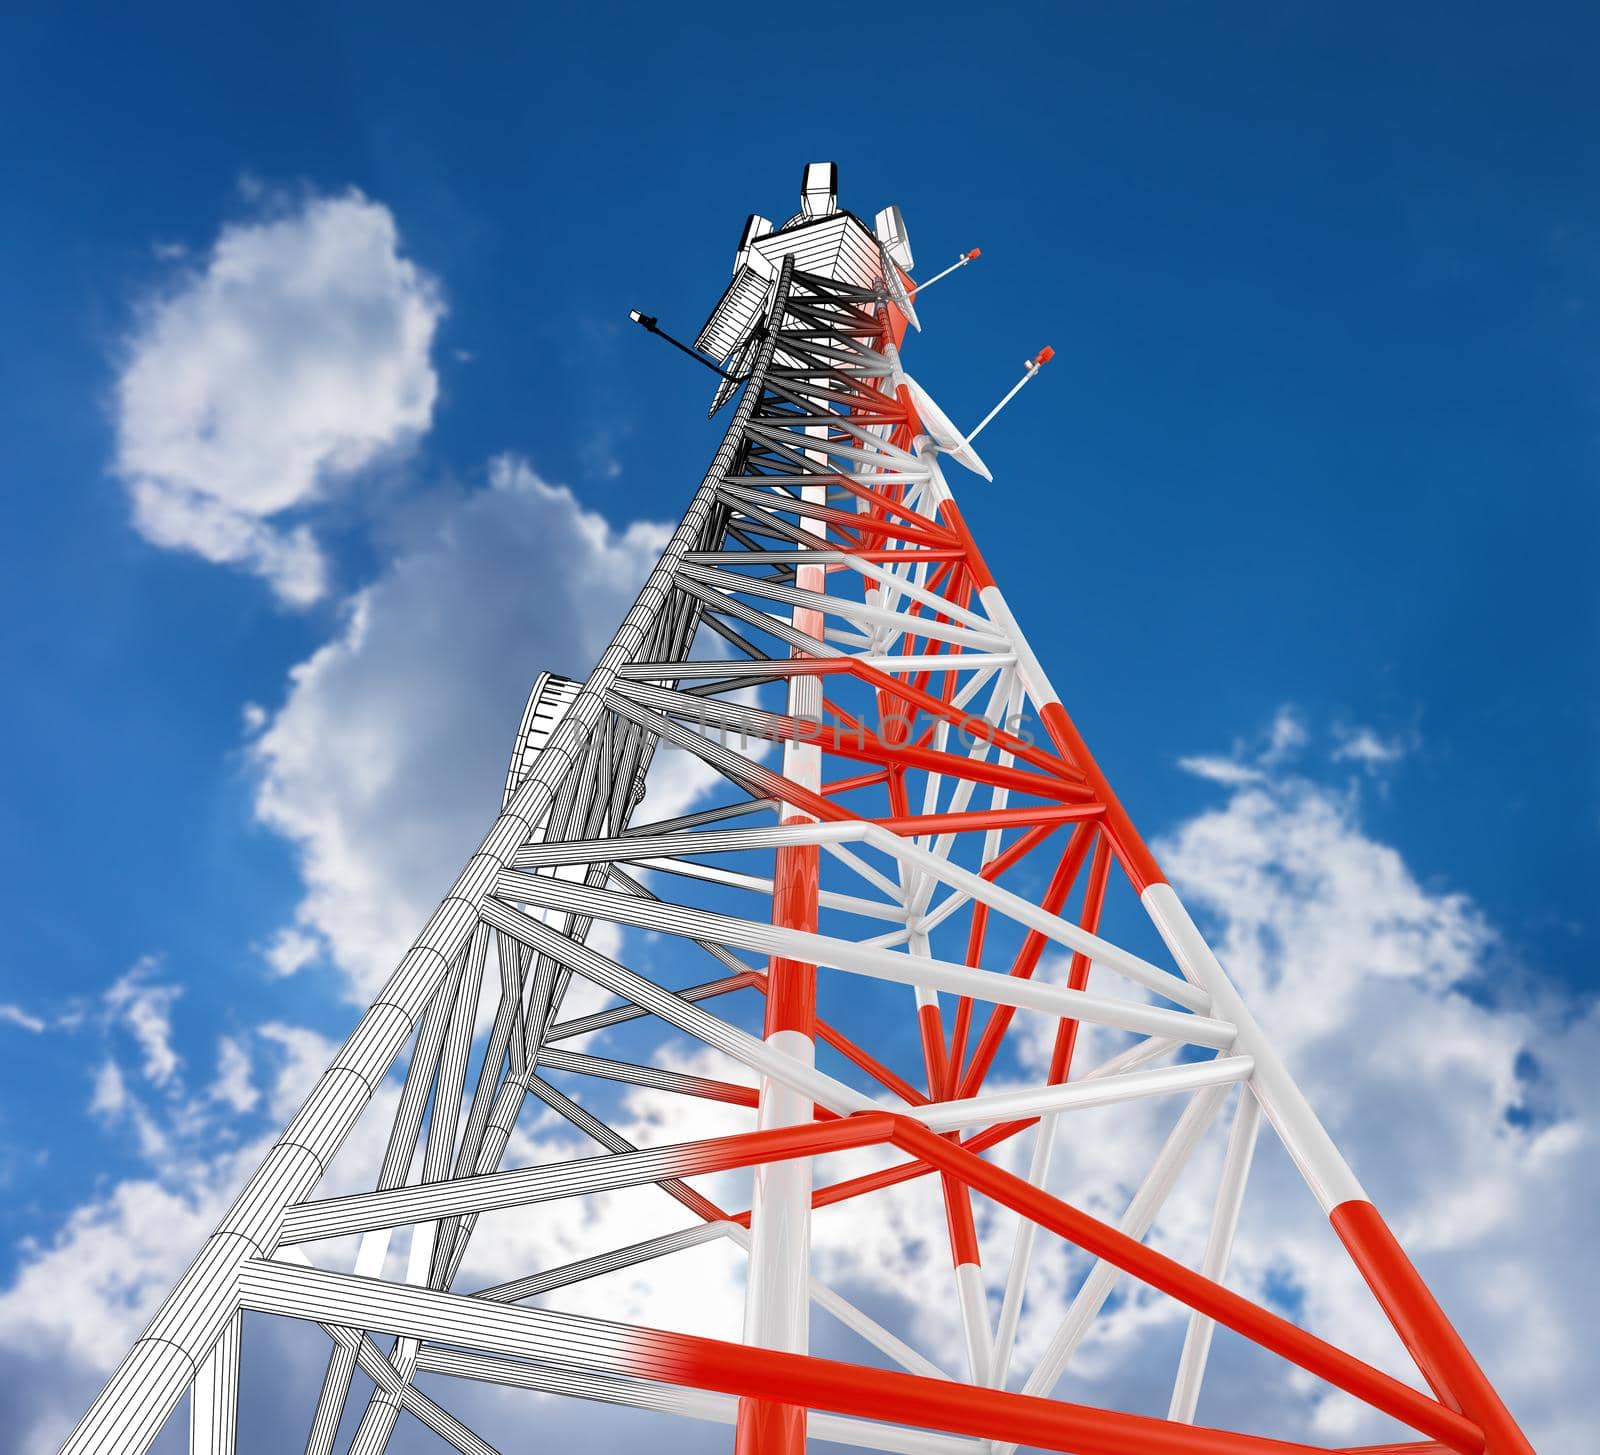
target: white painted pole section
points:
(776, 1293)
(214, 1400)
(1307, 1141)
(1005, 1333)
(1028, 665)
(975, 1320)
(848, 955)
(1136, 1221)
(1219, 1244)
(1005, 1106)
(517, 886)
(372, 1252)
(1140, 1053)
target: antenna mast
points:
(909, 859)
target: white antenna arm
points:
(960, 262)
(1032, 367)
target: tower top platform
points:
(824, 239)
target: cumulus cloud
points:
(141, 1097)
(385, 763)
(1252, 757)
(297, 353)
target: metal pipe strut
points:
(650, 324)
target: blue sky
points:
(1318, 450)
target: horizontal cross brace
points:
(713, 841)
(572, 1341)
(813, 949)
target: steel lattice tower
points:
(895, 772)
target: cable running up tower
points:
(853, 944)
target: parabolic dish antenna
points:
(897, 288)
(950, 440)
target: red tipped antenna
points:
(960, 262)
(1032, 367)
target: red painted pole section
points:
(760, 1376)
(1350, 1374)
(1132, 853)
(1078, 974)
(1026, 961)
(1438, 1349)
(837, 1192)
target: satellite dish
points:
(937, 423)
(890, 228)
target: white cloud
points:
(110, 1096)
(298, 353)
(1252, 759)
(144, 1010)
(116, 1108)
(1364, 746)
(1227, 771)
(1286, 736)
(111, 1263)
(598, 455)
(15, 1015)
(303, 1055)
(233, 1085)
(385, 763)
(291, 950)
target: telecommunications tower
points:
(851, 945)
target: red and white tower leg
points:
(777, 1290)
